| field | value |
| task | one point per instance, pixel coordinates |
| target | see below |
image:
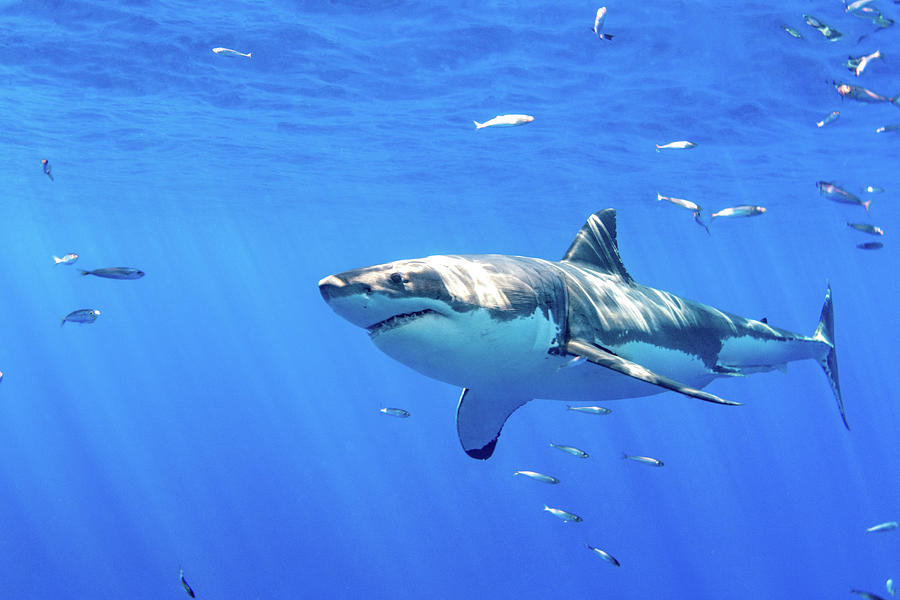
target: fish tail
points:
(50, 176)
(478, 125)
(825, 333)
(607, 36)
(624, 455)
(249, 54)
(83, 272)
(63, 322)
(658, 195)
(57, 260)
(866, 204)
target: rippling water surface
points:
(220, 418)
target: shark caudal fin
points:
(825, 333)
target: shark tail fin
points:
(825, 333)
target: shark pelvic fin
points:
(480, 417)
(607, 359)
(595, 244)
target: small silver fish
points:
(856, 5)
(739, 211)
(887, 128)
(866, 228)
(693, 206)
(184, 584)
(84, 315)
(395, 412)
(505, 121)
(831, 117)
(836, 194)
(886, 526)
(830, 33)
(68, 259)
(229, 52)
(604, 555)
(864, 62)
(599, 21)
(871, 189)
(538, 477)
(889, 586)
(793, 32)
(861, 94)
(643, 459)
(870, 246)
(681, 145)
(571, 450)
(115, 273)
(565, 516)
(590, 410)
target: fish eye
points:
(396, 278)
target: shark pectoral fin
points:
(607, 359)
(480, 417)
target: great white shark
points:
(509, 329)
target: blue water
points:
(219, 417)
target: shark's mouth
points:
(398, 321)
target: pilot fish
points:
(505, 121)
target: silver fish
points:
(84, 315)
(830, 33)
(866, 595)
(643, 459)
(889, 586)
(538, 477)
(793, 32)
(866, 228)
(679, 202)
(571, 450)
(116, 273)
(680, 145)
(861, 94)
(184, 584)
(886, 128)
(604, 555)
(831, 117)
(565, 516)
(870, 246)
(886, 526)
(68, 259)
(395, 412)
(590, 410)
(743, 210)
(836, 194)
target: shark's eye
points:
(396, 278)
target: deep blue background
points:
(219, 417)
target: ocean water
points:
(220, 418)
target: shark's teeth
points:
(397, 320)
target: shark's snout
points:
(334, 286)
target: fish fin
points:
(480, 417)
(607, 36)
(624, 455)
(595, 244)
(605, 358)
(249, 54)
(57, 260)
(478, 125)
(63, 322)
(866, 205)
(825, 333)
(83, 272)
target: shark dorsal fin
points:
(596, 245)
